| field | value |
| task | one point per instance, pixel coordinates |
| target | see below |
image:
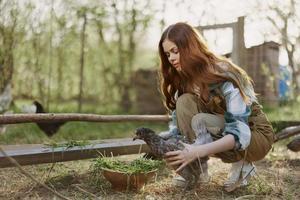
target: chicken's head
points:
(143, 133)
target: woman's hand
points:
(183, 157)
(191, 152)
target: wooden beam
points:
(29, 154)
(294, 145)
(64, 117)
(287, 132)
(216, 26)
(282, 124)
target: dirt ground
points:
(278, 177)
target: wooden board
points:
(30, 154)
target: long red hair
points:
(199, 66)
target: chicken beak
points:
(136, 137)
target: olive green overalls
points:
(262, 134)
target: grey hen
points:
(169, 137)
(158, 146)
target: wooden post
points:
(238, 45)
(238, 42)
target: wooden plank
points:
(30, 154)
(64, 117)
(216, 26)
(287, 132)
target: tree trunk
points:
(82, 63)
(5, 98)
(6, 63)
(295, 86)
(50, 59)
(60, 64)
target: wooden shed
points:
(262, 64)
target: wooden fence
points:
(28, 154)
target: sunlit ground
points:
(278, 177)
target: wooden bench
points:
(28, 154)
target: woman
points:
(214, 103)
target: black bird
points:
(158, 146)
(49, 128)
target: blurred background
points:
(100, 56)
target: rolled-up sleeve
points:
(236, 116)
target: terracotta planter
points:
(121, 181)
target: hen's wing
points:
(50, 128)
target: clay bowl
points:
(121, 181)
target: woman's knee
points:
(199, 119)
(186, 101)
(213, 123)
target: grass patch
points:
(31, 134)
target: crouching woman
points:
(215, 105)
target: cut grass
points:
(139, 165)
(69, 144)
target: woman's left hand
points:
(183, 157)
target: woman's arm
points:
(192, 152)
(236, 133)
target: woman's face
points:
(172, 52)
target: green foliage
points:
(48, 49)
(286, 112)
(139, 165)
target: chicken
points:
(158, 146)
(49, 128)
(169, 137)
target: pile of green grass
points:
(68, 144)
(139, 165)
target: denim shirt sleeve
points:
(173, 128)
(236, 116)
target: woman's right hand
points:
(183, 157)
